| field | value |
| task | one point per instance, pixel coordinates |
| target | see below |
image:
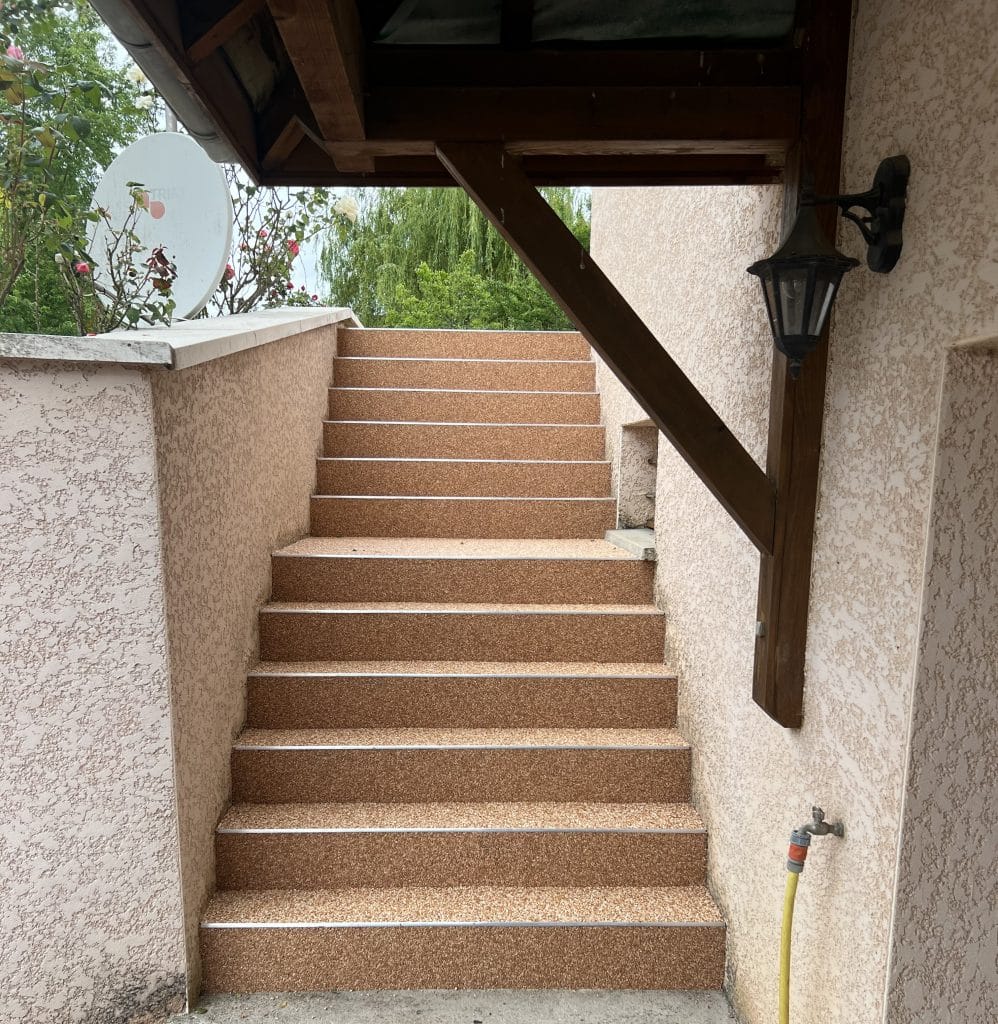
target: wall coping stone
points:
(182, 344)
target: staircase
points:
(459, 767)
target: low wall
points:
(145, 478)
(236, 442)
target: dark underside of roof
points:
(329, 92)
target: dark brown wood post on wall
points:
(797, 406)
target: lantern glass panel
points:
(826, 283)
(793, 299)
(770, 297)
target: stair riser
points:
(459, 636)
(455, 441)
(462, 407)
(396, 859)
(462, 344)
(462, 580)
(485, 376)
(425, 775)
(443, 517)
(310, 702)
(470, 957)
(507, 479)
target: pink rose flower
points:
(290, 286)
(82, 267)
(315, 298)
(229, 272)
(293, 247)
(15, 51)
(262, 233)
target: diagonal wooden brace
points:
(496, 182)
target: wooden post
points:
(797, 406)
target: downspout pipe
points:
(135, 39)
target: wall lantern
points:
(800, 279)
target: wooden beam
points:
(466, 67)
(685, 119)
(224, 29)
(497, 183)
(797, 406)
(324, 41)
(516, 24)
(640, 169)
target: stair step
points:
(443, 406)
(464, 440)
(331, 695)
(406, 765)
(445, 632)
(463, 937)
(335, 846)
(472, 477)
(459, 570)
(476, 374)
(494, 516)
(368, 341)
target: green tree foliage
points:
(70, 40)
(429, 258)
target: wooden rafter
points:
(211, 80)
(324, 41)
(497, 183)
(223, 29)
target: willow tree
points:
(427, 257)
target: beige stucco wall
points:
(90, 908)
(236, 441)
(922, 81)
(944, 960)
(138, 511)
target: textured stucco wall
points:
(90, 911)
(945, 950)
(236, 441)
(922, 82)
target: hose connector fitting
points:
(797, 854)
(800, 838)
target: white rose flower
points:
(145, 102)
(135, 75)
(347, 207)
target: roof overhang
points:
(329, 92)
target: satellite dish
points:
(188, 212)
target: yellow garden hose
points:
(800, 840)
(785, 936)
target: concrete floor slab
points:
(464, 1007)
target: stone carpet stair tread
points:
(444, 816)
(427, 669)
(465, 608)
(458, 737)
(449, 547)
(582, 905)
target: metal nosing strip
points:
(489, 829)
(448, 746)
(390, 608)
(462, 924)
(451, 423)
(433, 676)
